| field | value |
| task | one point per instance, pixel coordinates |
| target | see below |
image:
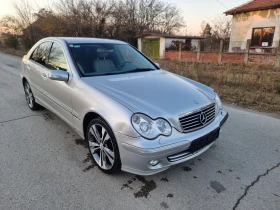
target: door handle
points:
(28, 67)
(44, 76)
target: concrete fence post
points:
(198, 50)
(246, 58)
(221, 51)
(180, 50)
(278, 55)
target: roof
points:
(254, 5)
(81, 40)
(172, 36)
(84, 40)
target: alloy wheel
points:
(101, 146)
(29, 95)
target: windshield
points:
(96, 59)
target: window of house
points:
(263, 36)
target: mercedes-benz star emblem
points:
(203, 118)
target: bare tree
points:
(170, 20)
(221, 27)
(118, 19)
(21, 20)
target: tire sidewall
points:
(35, 105)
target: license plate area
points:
(204, 141)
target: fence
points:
(226, 51)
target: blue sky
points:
(194, 11)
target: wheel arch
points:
(91, 115)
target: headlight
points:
(219, 104)
(149, 128)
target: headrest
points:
(102, 54)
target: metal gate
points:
(150, 47)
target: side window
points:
(41, 53)
(34, 55)
(57, 60)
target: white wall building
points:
(257, 20)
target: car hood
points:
(155, 93)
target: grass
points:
(250, 86)
(11, 51)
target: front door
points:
(59, 93)
(54, 95)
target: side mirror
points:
(157, 64)
(58, 75)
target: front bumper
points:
(136, 153)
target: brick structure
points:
(191, 56)
(269, 59)
(209, 56)
(263, 59)
(233, 57)
(172, 54)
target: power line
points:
(221, 4)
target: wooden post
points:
(246, 58)
(198, 50)
(278, 55)
(180, 50)
(221, 50)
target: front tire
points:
(29, 96)
(103, 146)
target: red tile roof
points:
(254, 5)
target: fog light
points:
(154, 162)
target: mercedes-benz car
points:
(134, 116)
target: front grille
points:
(197, 119)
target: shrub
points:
(11, 41)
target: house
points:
(259, 21)
(155, 45)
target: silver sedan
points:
(135, 116)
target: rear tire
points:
(29, 96)
(103, 146)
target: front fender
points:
(87, 99)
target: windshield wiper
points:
(124, 72)
(139, 70)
